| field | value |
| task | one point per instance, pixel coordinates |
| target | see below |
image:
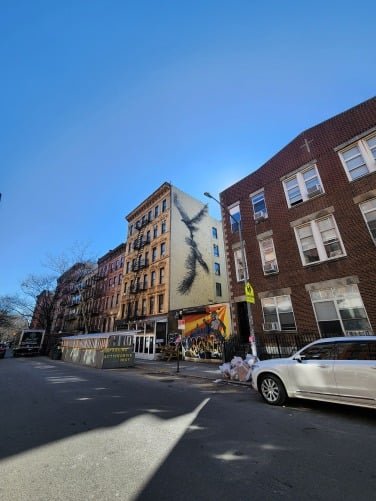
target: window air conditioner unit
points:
(270, 267)
(271, 326)
(312, 191)
(260, 215)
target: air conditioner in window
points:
(260, 215)
(270, 267)
(314, 190)
(271, 326)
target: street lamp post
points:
(245, 269)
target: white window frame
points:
(319, 244)
(233, 211)
(239, 266)
(334, 295)
(365, 151)
(269, 266)
(277, 324)
(305, 194)
(257, 215)
(367, 211)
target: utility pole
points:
(245, 270)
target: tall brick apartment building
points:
(308, 219)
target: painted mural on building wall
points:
(205, 332)
(194, 257)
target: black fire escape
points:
(139, 263)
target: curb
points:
(246, 384)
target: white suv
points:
(340, 370)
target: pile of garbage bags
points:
(238, 369)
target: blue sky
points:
(102, 101)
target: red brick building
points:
(308, 223)
(108, 290)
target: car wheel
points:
(272, 390)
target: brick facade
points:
(339, 198)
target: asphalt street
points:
(147, 433)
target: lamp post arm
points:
(245, 272)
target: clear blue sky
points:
(104, 100)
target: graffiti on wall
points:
(194, 256)
(205, 333)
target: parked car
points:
(340, 370)
(3, 349)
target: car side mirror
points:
(298, 358)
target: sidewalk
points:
(201, 370)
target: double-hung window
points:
(163, 249)
(302, 186)
(259, 206)
(217, 269)
(369, 213)
(278, 313)
(360, 158)
(240, 269)
(235, 218)
(340, 310)
(215, 250)
(319, 240)
(268, 256)
(152, 279)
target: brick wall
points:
(339, 196)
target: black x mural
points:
(194, 255)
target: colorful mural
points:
(205, 332)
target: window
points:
(235, 219)
(278, 313)
(163, 249)
(156, 211)
(145, 282)
(150, 216)
(160, 302)
(155, 231)
(161, 275)
(324, 351)
(239, 266)
(214, 232)
(369, 213)
(259, 206)
(164, 205)
(163, 227)
(151, 305)
(218, 289)
(215, 250)
(360, 158)
(319, 240)
(339, 310)
(130, 229)
(357, 350)
(152, 278)
(268, 257)
(119, 279)
(153, 254)
(217, 269)
(302, 186)
(143, 311)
